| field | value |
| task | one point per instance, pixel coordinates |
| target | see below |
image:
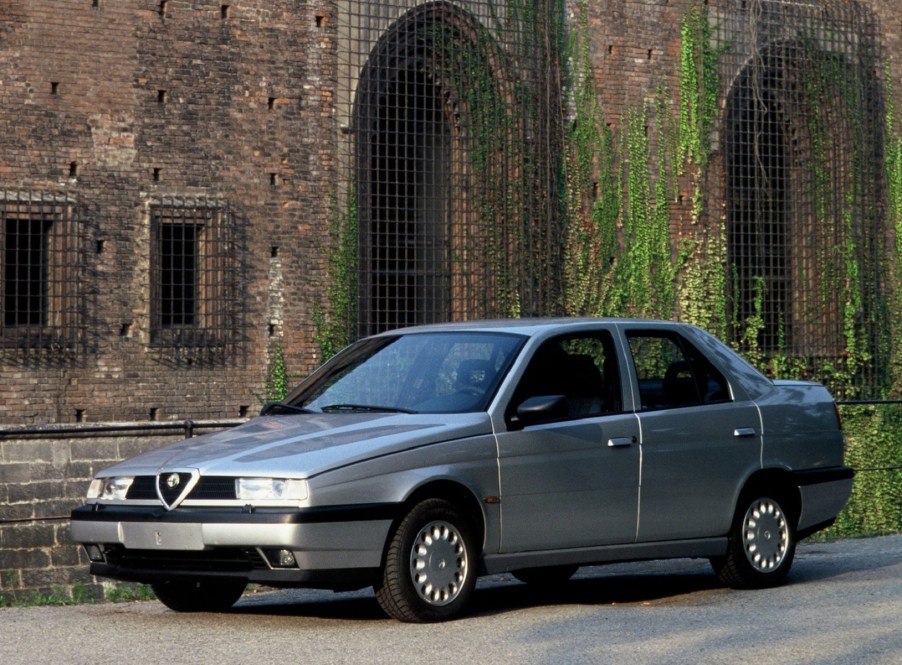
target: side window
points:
(672, 373)
(581, 368)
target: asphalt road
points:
(843, 605)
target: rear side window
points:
(672, 373)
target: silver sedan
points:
(416, 460)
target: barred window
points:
(43, 272)
(195, 271)
(758, 179)
(25, 266)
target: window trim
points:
(64, 278)
(216, 275)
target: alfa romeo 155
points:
(416, 460)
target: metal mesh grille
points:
(45, 276)
(803, 181)
(196, 277)
(452, 114)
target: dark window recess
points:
(25, 272)
(197, 277)
(178, 274)
(759, 237)
(44, 275)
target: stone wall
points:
(42, 478)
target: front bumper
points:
(148, 544)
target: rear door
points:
(570, 479)
(698, 444)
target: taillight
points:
(838, 416)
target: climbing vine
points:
(894, 198)
(593, 190)
(277, 375)
(699, 88)
(335, 317)
(623, 185)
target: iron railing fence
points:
(873, 448)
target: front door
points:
(572, 482)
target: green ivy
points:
(699, 88)
(335, 319)
(893, 168)
(874, 450)
(277, 376)
(593, 191)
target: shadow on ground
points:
(495, 595)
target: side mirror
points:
(540, 409)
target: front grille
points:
(214, 487)
(142, 489)
(211, 488)
(221, 559)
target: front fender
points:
(470, 464)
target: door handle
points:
(744, 432)
(616, 442)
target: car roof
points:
(527, 326)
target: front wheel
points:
(198, 595)
(761, 546)
(429, 572)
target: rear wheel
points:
(198, 595)
(429, 571)
(761, 546)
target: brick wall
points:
(116, 105)
(122, 104)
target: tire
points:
(761, 544)
(198, 595)
(430, 565)
(546, 577)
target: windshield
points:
(446, 372)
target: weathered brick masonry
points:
(119, 105)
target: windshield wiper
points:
(281, 407)
(368, 408)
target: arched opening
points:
(432, 171)
(407, 253)
(804, 183)
(758, 195)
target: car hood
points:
(303, 445)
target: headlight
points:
(269, 489)
(110, 489)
